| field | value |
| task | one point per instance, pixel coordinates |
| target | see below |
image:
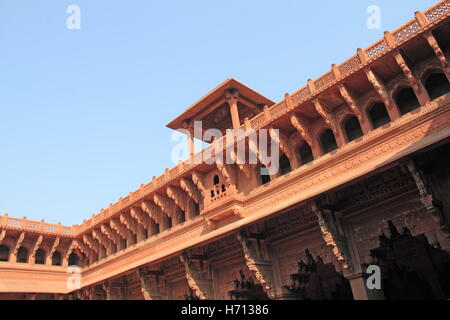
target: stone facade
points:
(364, 180)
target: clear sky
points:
(83, 112)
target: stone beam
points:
(330, 120)
(104, 241)
(285, 146)
(142, 218)
(421, 95)
(129, 223)
(91, 243)
(119, 229)
(178, 196)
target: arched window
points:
(56, 258)
(353, 128)
(265, 177)
(4, 253)
(123, 243)
(216, 180)
(328, 141)
(306, 155)
(285, 165)
(406, 100)
(39, 258)
(22, 255)
(378, 115)
(73, 259)
(437, 85)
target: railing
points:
(36, 226)
(355, 63)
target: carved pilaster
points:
(382, 92)
(257, 260)
(303, 128)
(431, 203)
(189, 187)
(36, 246)
(333, 234)
(152, 284)
(439, 53)
(198, 275)
(153, 211)
(52, 251)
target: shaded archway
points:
(4, 253)
(74, 259)
(406, 100)
(285, 165)
(378, 115)
(352, 128)
(436, 85)
(22, 255)
(328, 141)
(56, 258)
(305, 153)
(39, 257)
(264, 175)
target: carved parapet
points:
(189, 187)
(303, 128)
(333, 235)
(254, 259)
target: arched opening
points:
(56, 258)
(264, 173)
(216, 180)
(285, 165)
(406, 100)
(4, 253)
(353, 129)
(123, 243)
(378, 115)
(328, 141)
(22, 255)
(437, 85)
(196, 209)
(73, 259)
(39, 258)
(306, 155)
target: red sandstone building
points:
(364, 180)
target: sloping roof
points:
(208, 101)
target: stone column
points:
(232, 95)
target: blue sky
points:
(83, 112)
